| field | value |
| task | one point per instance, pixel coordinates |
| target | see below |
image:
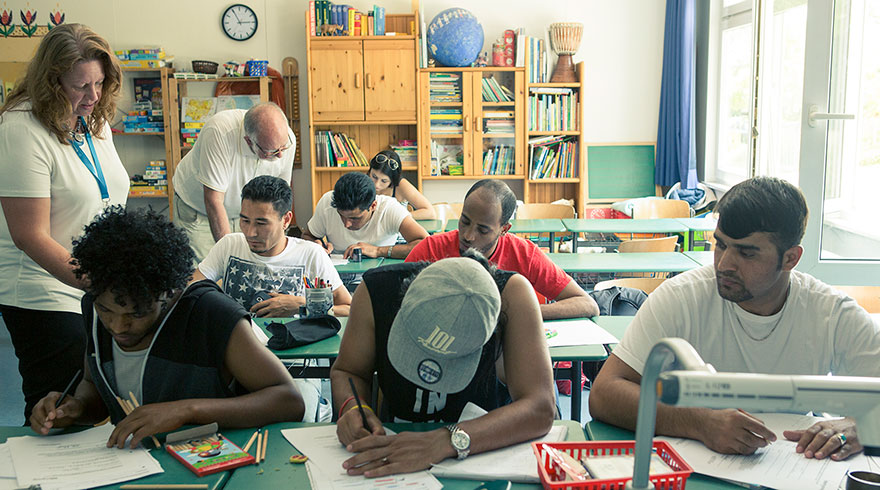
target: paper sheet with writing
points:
(326, 456)
(578, 332)
(776, 466)
(516, 463)
(338, 259)
(78, 460)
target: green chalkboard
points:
(620, 171)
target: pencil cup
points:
(318, 302)
(862, 480)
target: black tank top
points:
(406, 401)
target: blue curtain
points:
(676, 140)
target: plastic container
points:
(550, 472)
(257, 68)
(318, 302)
(203, 66)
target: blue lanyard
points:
(95, 169)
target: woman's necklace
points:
(78, 133)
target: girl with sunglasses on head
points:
(385, 170)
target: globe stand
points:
(564, 71)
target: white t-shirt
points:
(381, 230)
(246, 274)
(222, 161)
(820, 329)
(34, 164)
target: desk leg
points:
(552, 241)
(574, 242)
(576, 390)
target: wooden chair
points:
(444, 213)
(868, 297)
(646, 284)
(661, 208)
(544, 211)
(665, 244)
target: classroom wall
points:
(622, 47)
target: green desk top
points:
(387, 261)
(701, 257)
(174, 472)
(661, 225)
(359, 267)
(626, 262)
(536, 226)
(452, 224)
(431, 225)
(598, 431)
(328, 348)
(698, 224)
(277, 472)
(615, 325)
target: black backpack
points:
(618, 300)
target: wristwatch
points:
(460, 439)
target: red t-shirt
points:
(512, 254)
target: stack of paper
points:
(577, 332)
(71, 461)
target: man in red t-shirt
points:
(483, 225)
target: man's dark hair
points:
(390, 167)
(266, 188)
(353, 190)
(502, 193)
(764, 204)
(157, 258)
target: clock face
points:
(239, 22)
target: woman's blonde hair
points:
(62, 48)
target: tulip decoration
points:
(56, 18)
(29, 20)
(6, 25)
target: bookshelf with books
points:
(471, 123)
(555, 140)
(362, 92)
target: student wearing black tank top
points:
(441, 336)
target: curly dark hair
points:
(352, 191)
(137, 255)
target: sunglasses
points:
(275, 153)
(381, 158)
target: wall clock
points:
(239, 22)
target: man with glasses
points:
(233, 147)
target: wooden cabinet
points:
(554, 111)
(472, 123)
(365, 88)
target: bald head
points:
(495, 193)
(266, 125)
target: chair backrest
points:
(646, 284)
(444, 213)
(456, 208)
(545, 210)
(664, 244)
(868, 297)
(661, 208)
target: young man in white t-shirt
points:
(353, 216)
(751, 312)
(262, 268)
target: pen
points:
(357, 400)
(69, 386)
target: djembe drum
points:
(565, 38)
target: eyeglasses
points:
(381, 158)
(275, 153)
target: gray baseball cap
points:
(448, 313)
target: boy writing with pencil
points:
(262, 268)
(187, 353)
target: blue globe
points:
(455, 37)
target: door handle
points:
(466, 123)
(816, 116)
(357, 80)
(369, 80)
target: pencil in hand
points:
(357, 400)
(69, 387)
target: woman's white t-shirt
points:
(34, 164)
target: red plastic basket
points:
(551, 474)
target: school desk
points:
(329, 349)
(631, 226)
(599, 431)
(701, 257)
(431, 225)
(277, 472)
(359, 267)
(695, 225)
(174, 472)
(626, 262)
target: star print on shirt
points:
(243, 280)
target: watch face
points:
(460, 440)
(239, 22)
